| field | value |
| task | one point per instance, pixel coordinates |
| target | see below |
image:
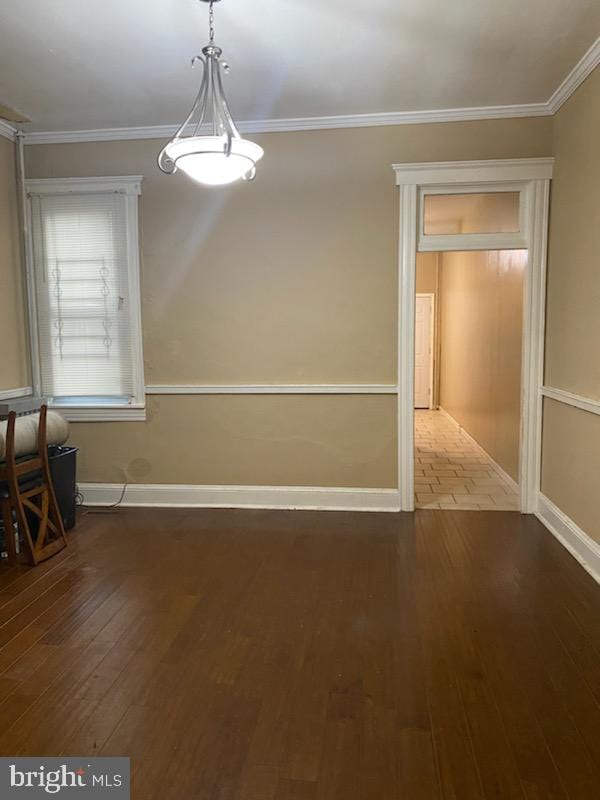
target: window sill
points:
(133, 413)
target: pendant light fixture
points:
(222, 156)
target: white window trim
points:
(131, 187)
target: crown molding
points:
(7, 131)
(298, 124)
(584, 67)
(578, 74)
(100, 135)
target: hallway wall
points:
(427, 282)
(481, 301)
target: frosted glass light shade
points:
(203, 158)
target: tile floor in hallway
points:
(452, 473)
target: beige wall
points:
(571, 444)
(571, 463)
(291, 279)
(481, 302)
(426, 277)
(14, 372)
(573, 311)
(262, 440)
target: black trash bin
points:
(63, 470)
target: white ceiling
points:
(77, 64)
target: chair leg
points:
(52, 509)
(9, 532)
(22, 523)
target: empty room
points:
(300, 399)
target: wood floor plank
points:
(256, 655)
(457, 763)
(453, 585)
(530, 661)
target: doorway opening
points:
(468, 345)
(514, 198)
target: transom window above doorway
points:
(484, 217)
(471, 212)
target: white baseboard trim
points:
(497, 468)
(569, 534)
(309, 498)
(13, 394)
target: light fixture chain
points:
(211, 22)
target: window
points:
(486, 217)
(86, 316)
(471, 212)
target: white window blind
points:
(89, 352)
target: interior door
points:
(423, 350)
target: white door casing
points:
(423, 350)
(531, 177)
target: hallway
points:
(452, 473)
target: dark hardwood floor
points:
(248, 655)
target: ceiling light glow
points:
(222, 156)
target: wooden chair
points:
(30, 494)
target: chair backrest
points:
(28, 464)
(33, 500)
